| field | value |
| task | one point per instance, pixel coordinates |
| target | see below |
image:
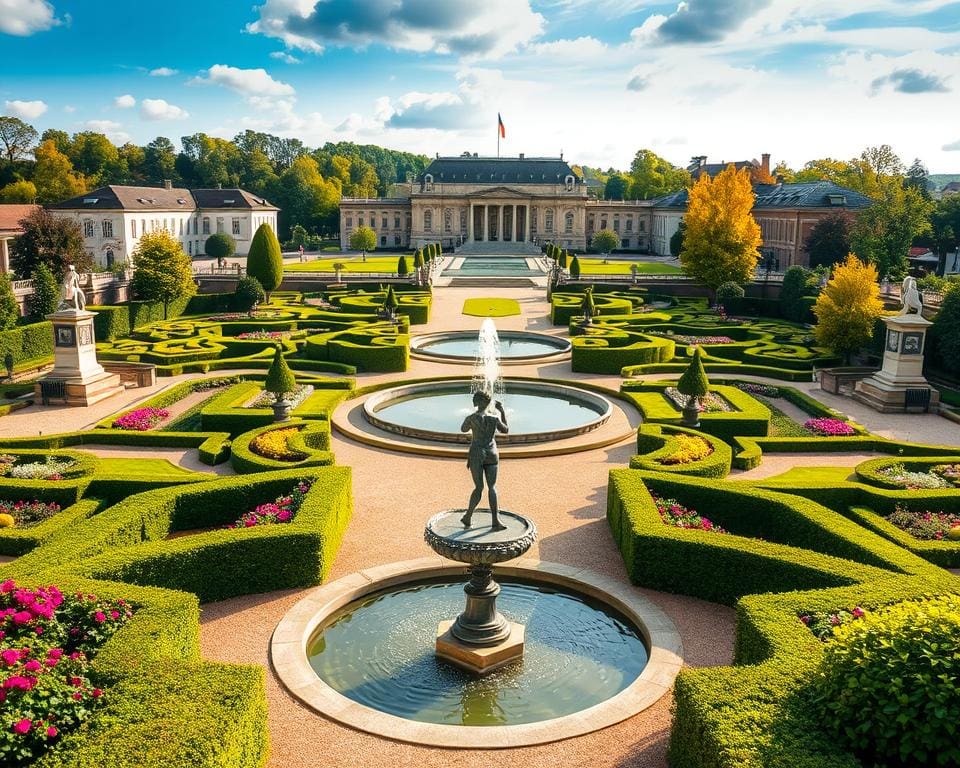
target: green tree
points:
(918, 178)
(390, 303)
(46, 293)
(848, 307)
(884, 232)
(605, 241)
(298, 236)
(721, 238)
(617, 187)
(17, 137)
(562, 259)
(54, 176)
(280, 380)
(652, 176)
(402, 269)
(96, 157)
(9, 308)
(829, 240)
(212, 161)
(588, 306)
(676, 239)
(220, 246)
(730, 295)
(161, 270)
(946, 330)
(363, 239)
(792, 306)
(695, 385)
(50, 240)
(945, 228)
(159, 161)
(418, 261)
(265, 260)
(19, 192)
(575, 268)
(248, 294)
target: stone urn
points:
(691, 412)
(281, 408)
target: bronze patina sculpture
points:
(483, 458)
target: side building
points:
(114, 218)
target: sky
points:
(594, 79)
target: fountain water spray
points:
(486, 370)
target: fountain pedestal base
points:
(477, 659)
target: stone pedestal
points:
(479, 659)
(77, 379)
(902, 370)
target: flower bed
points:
(26, 513)
(263, 335)
(141, 419)
(822, 623)
(914, 481)
(236, 316)
(265, 399)
(274, 445)
(673, 513)
(949, 472)
(764, 390)
(282, 510)
(828, 427)
(695, 340)
(690, 448)
(927, 526)
(712, 403)
(46, 641)
(51, 469)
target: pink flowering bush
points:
(926, 525)
(46, 641)
(141, 419)
(828, 427)
(282, 510)
(822, 623)
(673, 513)
(263, 335)
(27, 513)
(766, 390)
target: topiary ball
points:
(6, 520)
(887, 686)
(954, 533)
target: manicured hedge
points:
(564, 306)
(869, 471)
(656, 441)
(117, 320)
(312, 440)
(26, 346)
(748, 451)
(413, 304)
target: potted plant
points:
(280, 383)
(695, 385)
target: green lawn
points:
(484, 307)
(592, 266)
(805, 475)
(146, 468)
(351, 264)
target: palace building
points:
(511, 205)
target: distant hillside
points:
(939, 180)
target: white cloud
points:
(464, 28)
(570, 51)
(285, 57)
(159, 109)
(953, 146)
(24, 17)
(25, 110)
(125, 102)
(163, 72)
(69, 109)
(112, 129)
(249, 82)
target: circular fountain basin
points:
(361, 651)
(464, 346)
(536, 411)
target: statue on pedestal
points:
(910, 296)
(71, 294)
(483, 458)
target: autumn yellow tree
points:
(848, 307)
(721, 238)
(53, 175)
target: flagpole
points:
(498, 136)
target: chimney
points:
(521, 155)
(765, 163)
(167, 184)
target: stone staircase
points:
(498, 248)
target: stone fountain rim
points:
(563, 347)
(480, 552)
(292, 636)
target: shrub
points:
(282, 510)
(46, 293)
(9, 308)
(575, 268)
(26, 513)
(829, 427)
(265, 261)
(887, 686)
(946, 330)
(273, 445)
(280, 379)
(694, 382)
(729, 294)
(791, 293)
(689, 448)
(141, 419)
(220, 246)
(248, 293)
(402, 269)
(923, 524)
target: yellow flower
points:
(6, 521)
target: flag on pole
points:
(501, 127)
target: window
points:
(642, 226)
(548, 224)
(396, 222)
(360, 221)
(428, 221)
(448, 220)
(219, 225)
(143, 226)
(534, 216)
(629, 225)
(428, 183)
(133, 228)
(383, 241)
(206, 225)
(463, 220)
(190, 248)
(409, 220)
(603, 223)
(384, 223)
(88, 228)
(569, 182)
(235, 226)
(181, 228)
(625, 242)
(107, 228)
(616, 223)
(349, 221)
(396, 239)
(568, 223)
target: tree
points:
(54, 177)
(50, 240)
(945, 228)
(418, 261)
(721, 238)
(652, 176)
(848, 307)
(248, 294)
(17, 137)
(265, 260)
(575, 268)
(363, 239)
(159, 160)
(402, 269)
(9, 308)
(617, 187)
(695, 385)
(390, 303)
(46, 293)
(220, 246)
(605, 241)
(792, 292)
(785, 172)
(829, 240)
(946, 330)
(918, 178)
(161, 270)
(95, 156)
(730, 295)
(884, 232)
(298, 236)
(280, 380)
(19, 192)
(676, 239)
(562, 259)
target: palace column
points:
(499, 228)
(527, 229)
(513, 223)
(469, 222)
(486, 222)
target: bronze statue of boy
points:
(483, 458)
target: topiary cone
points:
(695, 385)
(265, 260)
(402, 268)
(280, 379)
(390, 302)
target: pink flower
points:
(22, 617)
(96, 693)
(33, 666)
(10, 657)
(99, 617)
(22, 726)
(52, 732)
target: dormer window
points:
(837, 199)
(569, 182)
(91, 200)
(428, 182)
(229, 202)
(181, 201)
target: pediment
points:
(500, 192)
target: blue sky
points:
(597, 79)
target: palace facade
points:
(498, 204)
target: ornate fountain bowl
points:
(479, 544)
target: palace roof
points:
(12, 214)
(123, 198)
(494, 170)
(810, 194)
